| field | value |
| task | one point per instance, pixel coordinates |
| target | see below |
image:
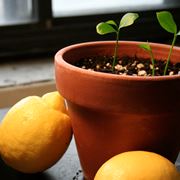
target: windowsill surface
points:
(19, 79)
(26, 72)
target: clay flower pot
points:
(112, 113)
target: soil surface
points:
(132, 66)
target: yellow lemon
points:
(35, 133)
(138, 165)
(55, 100)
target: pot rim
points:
(60, 60)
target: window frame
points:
(48, 35)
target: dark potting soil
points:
(132, 66)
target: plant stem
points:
(115, 50)
(169, 55)
(153, 64)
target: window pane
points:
(16, 12)
(80, 7)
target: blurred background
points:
(41, 27)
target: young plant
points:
(167, 22)
(112, 27)
(147, 47)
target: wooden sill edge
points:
(10, 95)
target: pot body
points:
(112, 114)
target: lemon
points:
(55, 100)
(137, 165)
(35, 133)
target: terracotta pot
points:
(111, 113)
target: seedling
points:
(167, 22)
(112, 27)
(147, 47)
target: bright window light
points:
(15, 12)
(80, 7)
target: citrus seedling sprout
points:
(167, 22)
(112, 27)
(147, 47)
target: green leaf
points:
(111, 22)
(166, 21)
(146, 47)
(128, 19)
(104, 28)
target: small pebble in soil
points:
(108, 65)
(171, 73)
(142, 73)
(134, 63)
(151, 66)
(97, 66)
(119, 67)
(156, 68)
(140, 66)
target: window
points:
(79, 7)
(36, 27)
(16, 12)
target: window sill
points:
(24, 78)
